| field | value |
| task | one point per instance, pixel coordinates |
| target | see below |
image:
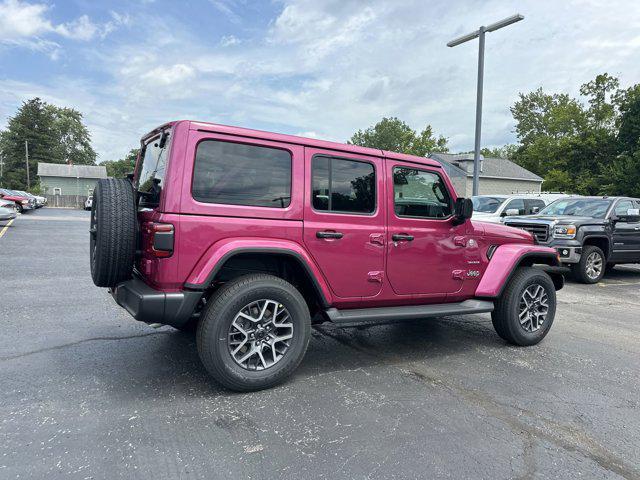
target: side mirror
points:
(512, 212)
(463, 209)
(535, 210)
(632, 216)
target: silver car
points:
(7, 210)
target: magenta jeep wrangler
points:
(249, 237)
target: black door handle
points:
(398, 237)
(335, 235)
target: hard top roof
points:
(297, 140)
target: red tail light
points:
(159, 241)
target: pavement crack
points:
(85, 340)
(564, 436)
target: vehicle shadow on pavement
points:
(165, 362)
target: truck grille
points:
(540, 232)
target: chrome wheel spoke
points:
(260, 334)
(534, 307)
(593, 265)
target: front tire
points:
(525, 311)
(19, 208)
(591, 267)
(253, 332)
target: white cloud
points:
(79, 29)
(18, 19)
(229, 40)
(227, 8)
(169, 75)
(24, 24)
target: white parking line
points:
(2, 232)
(57, 219)
(602, 284)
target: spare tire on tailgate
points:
(112, 243)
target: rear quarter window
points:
(240, 174)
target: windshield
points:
(152, 168)
(487, 204)
(579, 207)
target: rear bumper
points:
(149, 305)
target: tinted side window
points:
(237, 174)
(417, 193)
(533, 203)
(343, 186)
(516, 204)
(622, 207)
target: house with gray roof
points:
(61, 179)
(497, 175)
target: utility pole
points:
(26, 154)
(479, 34)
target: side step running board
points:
(371, 316)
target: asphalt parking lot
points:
(87, 392)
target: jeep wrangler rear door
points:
(425, 250)
(344, 220)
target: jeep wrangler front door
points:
(424, 246)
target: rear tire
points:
(113, 232)
(223, 312)
(19, 208)
(591, 267)
(525, 311)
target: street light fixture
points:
(465, 38)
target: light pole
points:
(465, 38)
(26, 156)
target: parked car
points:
(38, 202)
(7, 210)
(589, 233)
(88, 202)
(495, 208)
(22, 202)
(39, 199)
(250, 235)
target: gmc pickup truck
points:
(590, 234)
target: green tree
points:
(628, 104)
(72, 136)
(33, 124)
(394, 135)
(601, 110)
(53, 134)
(570, 142)
(622, 176)
(120, 168)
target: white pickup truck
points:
(494, 208)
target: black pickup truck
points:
(590, 234)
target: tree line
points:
(48, 134)
(588, 145)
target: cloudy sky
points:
(321, 68)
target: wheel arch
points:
(601, 241)
(287, 262)
(506, 261)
